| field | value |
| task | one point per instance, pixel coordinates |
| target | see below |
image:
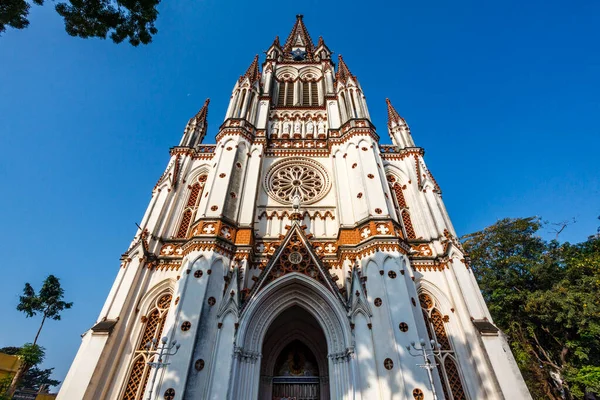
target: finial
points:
(299, 16)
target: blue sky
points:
(503, 96)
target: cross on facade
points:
(226, 232)
(330, 248)
(179, 251)
(208, 229)
(260, 248)
(365, 233)
(382, 229)
(168, 250)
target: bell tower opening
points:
(294, 363)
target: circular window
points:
(418, 394)
(403, 326)
(388, 363)
(199, 364)
(169, 394)
(392, 274)
(212, 301)
(198, 274)
(378, 302)
(297, 177)
(186, 326)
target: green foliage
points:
(543, 295)
(119, 20)
(49, 301)
(32, 354)
(33, 379)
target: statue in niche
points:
(310, 127)
(287, 126)
(321, 127)
(297, 127)
(275, 128)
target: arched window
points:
(445, 358)
(139, 373)
(402, 210)
(191, 206)
(310, 93)
(241, 105)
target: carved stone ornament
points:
(297, 176)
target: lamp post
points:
(422, 351)
(161, 350)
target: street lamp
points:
(162, 350)
(422, 351)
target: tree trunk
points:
(16, 380)
(39, 330)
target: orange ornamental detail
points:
(214, 228)
(244, 236)
(171, 250)
(428, 266)
(354, 236)
(203, 246)
(423, 250)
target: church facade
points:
(296, 258)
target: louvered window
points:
(281, 94)
(305, 93)
(289, 94)
(314, 94)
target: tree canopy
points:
(544, 296)
(117, 20)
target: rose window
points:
(301, 178)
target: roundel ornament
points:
(297, 179)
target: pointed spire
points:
(343, 72)
(252, 73)
(394, 119)
(321, 42)
(195, 130)
(276, 42)
(299, 37)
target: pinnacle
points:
(202, 114)
(393, 116)
(343, 72)
(252, 72)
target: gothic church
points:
(296, 258)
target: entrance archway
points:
(294, 362)
(258, 315)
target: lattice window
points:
(445, 358)
(410, 231)
(402, 210)
(153, 328)
(453, 376)
(191, 207)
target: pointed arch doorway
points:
(294, 364)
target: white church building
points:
(296, 258)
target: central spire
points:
(298, 41)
